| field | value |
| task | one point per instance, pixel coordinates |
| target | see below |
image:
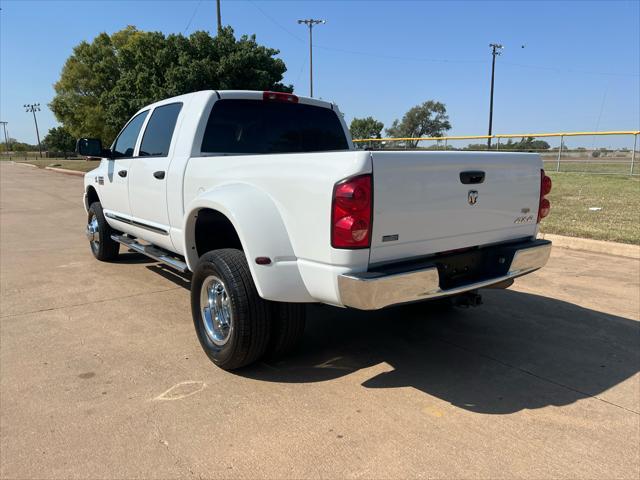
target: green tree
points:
(428, 119)
(16, 146)
(478, 146)
(527, 143)
(58, 139)
(365, 128)
(106, 81)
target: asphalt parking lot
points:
(101, 374)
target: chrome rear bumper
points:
(374, 290)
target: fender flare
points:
(262, 233)
(87, 189)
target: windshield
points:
(255, 127)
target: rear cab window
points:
(159, 131)
(240, 126)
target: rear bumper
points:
(375, 290)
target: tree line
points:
(428, 119)
(57, 140)
(105, 81)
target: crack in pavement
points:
(161, 440)
(89, 303)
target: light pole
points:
(310, 22)
(33, 108)
(6, 139)
(496, 49)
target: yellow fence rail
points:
(509, 135)
(558, 153)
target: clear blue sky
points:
(579, 69)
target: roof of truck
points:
(239, 94)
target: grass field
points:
(610, 167)
(574, 193)
(78, 165)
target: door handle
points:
(472, 177)
(122, 173)
(159, 174)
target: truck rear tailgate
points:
(431, 202)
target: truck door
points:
(114, 195)
(149, 174)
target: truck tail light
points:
(279, 97)
(545, 187)
(351, 213)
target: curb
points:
(64, 170)
(595, 246)
(26, 164)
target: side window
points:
(157, 136)
(126, 141)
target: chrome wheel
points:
(93, 233)
(215, 312)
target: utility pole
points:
(219, 17)
(6, 139)
(496, 49)
(310, 22)
(33, 108)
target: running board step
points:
(152, 252)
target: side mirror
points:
(90, 147)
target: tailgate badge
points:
(524, 219)
(472, 197)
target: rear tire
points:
(231, 320)
(98, 232)
(287, 328)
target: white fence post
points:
(560, 152)
(633, 152)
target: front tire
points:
(98, 232)
(231, 320)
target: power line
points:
(433, 60)
(396, 57)
(604, 99)
(570, 70)
(437, 60)
(351, 52)
(275, 22)
(195, 10)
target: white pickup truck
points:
(263, 197)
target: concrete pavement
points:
(101, 374)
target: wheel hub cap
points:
(216, 310)
(93, 232)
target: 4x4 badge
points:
(472, 197)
